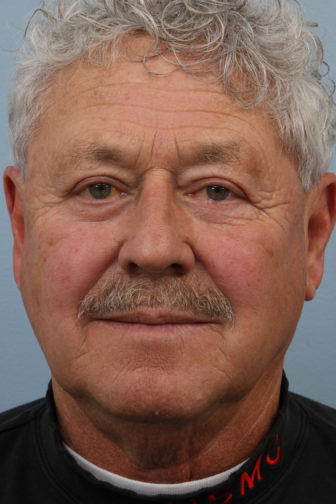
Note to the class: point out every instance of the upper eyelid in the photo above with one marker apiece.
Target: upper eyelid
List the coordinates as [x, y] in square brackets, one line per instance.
[206, 179]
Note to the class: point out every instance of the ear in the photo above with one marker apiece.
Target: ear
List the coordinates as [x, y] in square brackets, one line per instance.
[13, 185]
[321, 205]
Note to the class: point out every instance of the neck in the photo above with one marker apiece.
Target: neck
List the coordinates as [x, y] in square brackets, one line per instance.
[170, 452]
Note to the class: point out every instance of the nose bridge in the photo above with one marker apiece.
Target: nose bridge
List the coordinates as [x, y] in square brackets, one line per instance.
[156, 204]
[155, 226]
[156, 236]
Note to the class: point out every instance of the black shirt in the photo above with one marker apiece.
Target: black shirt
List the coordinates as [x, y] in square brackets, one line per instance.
[294, 464]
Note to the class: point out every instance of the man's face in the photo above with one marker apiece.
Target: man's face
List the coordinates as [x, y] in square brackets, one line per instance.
[167, 181]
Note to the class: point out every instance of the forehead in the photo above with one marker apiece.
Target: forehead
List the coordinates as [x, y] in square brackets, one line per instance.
[124, 109]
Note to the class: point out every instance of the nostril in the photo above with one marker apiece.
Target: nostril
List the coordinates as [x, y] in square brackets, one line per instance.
[178, 268]
[132, 268]
[175, 268]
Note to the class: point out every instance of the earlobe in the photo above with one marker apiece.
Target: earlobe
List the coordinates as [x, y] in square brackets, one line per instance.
[320, 223]
[13, 186]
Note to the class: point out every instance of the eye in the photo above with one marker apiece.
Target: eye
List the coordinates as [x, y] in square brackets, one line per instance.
[217, 193]
[100, 190]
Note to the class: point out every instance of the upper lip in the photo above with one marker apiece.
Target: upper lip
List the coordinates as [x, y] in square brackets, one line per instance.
[153, 318]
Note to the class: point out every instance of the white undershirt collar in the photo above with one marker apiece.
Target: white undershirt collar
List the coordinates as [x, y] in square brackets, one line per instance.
[151, 489]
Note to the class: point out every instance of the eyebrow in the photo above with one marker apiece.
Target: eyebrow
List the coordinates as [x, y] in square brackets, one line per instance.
[216, 152]
[210, 153]
[94, 152]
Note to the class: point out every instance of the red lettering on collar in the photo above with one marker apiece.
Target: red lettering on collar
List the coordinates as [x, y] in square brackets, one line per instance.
[274, 461]
[225, 494]
[250, 480]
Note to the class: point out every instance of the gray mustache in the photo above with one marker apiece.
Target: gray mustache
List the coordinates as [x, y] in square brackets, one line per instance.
[126, 295]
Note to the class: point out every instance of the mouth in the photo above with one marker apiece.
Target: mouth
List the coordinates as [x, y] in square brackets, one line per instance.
[152, 318]
[150, 329]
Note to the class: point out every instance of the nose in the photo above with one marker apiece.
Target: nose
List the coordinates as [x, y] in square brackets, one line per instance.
[158, 235]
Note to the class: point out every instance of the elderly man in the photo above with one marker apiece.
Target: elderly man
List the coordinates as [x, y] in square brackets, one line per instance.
[170, 211]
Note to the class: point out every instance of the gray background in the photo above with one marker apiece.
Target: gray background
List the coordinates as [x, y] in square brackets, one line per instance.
[311, 359]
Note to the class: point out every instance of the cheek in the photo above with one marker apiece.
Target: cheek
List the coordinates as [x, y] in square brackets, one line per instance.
[249, 263]
[236, 265]
[261, 273]
[61, 262]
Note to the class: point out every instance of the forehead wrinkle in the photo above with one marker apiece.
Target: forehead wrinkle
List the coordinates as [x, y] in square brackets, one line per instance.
[61, 87]
[153, 146]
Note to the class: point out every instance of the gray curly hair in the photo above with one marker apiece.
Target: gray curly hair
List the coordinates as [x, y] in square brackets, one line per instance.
[265, 41]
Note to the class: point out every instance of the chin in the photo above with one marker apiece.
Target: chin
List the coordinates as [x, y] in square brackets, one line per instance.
[152, 396]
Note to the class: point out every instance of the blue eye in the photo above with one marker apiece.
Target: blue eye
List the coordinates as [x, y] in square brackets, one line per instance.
[100, 190]
[217, 193]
